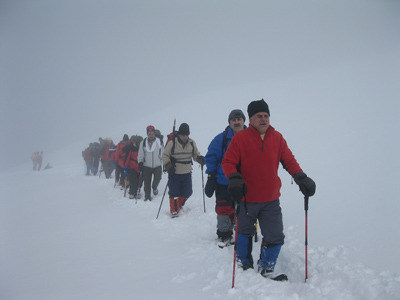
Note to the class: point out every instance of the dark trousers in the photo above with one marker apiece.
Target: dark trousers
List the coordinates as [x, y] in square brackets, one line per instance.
[269, 217]
[133, 178]
[108, 167]
[180, 185]
[148, 174]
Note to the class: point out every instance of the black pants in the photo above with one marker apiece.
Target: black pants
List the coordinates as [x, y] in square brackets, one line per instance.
[148, 173]
[133, 178]
[108, 167]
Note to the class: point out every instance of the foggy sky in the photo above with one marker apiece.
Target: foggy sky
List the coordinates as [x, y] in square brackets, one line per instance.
[73, 70]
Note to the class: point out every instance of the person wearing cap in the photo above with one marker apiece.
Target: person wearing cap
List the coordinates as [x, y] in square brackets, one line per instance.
[120, 155]
[177, 159]
[131, 165]
[251, 165]
[149, 158]
[216, 180]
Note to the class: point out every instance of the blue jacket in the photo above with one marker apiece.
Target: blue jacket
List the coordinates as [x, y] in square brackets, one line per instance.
[215, 154]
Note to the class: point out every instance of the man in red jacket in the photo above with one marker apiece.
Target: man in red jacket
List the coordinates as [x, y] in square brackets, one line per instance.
[251, 165]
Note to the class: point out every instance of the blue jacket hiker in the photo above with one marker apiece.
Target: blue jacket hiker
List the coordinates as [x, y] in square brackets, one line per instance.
[217, 181]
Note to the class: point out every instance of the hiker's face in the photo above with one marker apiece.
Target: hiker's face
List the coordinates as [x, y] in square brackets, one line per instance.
[151, 134]
[260, 121]
[236, 124]
[184, 138]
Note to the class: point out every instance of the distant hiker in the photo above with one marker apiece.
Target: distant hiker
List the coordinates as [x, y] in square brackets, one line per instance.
[160, 136]
[132, 166]
[40, 160]
[120, 155]
[177, 159]
[251, 165]
[95, 152]
[107, 151]
[150, 154]
[216, 178]
[87, 157]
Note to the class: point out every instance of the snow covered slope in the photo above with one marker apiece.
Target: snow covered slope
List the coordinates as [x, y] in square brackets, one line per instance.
[68, 236]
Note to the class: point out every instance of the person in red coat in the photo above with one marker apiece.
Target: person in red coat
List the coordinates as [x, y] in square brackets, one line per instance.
[131, 167]
[120, 155]
[251, 165]
[107, 156]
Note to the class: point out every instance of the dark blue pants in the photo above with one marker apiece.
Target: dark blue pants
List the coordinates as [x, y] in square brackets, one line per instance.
[180, 185]
[269, 216]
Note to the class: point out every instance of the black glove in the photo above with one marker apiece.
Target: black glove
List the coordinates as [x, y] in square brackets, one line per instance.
[305, 183]
[200, 159]
[170, 169]
[236, 186]
[140, 167]
[211, 185]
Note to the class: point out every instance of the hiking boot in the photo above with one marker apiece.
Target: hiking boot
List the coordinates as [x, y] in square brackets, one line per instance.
[148, 198]
[273, 276]
[155, 192]
[132, 196]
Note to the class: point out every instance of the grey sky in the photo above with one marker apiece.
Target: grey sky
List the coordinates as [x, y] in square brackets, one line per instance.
[72, 69]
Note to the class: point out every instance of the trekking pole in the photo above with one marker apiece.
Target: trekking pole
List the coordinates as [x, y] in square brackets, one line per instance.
[306, 236]
[162, 199]
[202, 181]
[236, 234]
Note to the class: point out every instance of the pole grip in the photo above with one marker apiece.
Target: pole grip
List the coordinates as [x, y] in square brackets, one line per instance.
[306, 203]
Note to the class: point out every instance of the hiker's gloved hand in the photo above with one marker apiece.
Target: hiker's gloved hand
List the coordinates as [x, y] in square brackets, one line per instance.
[211, 185]
[306, 184]
[201, 160]
[140, 167]
[170, 169]
[126, 170]
[236, 187]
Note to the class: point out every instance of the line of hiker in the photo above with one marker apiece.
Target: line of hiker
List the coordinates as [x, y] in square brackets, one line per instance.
[242, 171]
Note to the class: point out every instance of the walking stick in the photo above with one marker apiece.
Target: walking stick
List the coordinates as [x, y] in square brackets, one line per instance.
[306, 236]
[162, 199]
[236, 234]
[202, 181]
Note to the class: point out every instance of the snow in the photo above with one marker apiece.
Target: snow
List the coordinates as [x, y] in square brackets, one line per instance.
[65, 235]
[75, 71]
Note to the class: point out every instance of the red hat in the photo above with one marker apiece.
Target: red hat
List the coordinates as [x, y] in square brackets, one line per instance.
[150, 128]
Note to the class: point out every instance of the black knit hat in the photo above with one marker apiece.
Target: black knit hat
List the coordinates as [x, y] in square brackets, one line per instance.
[126, 137]
[236, 113]
[256, 107]
[184, 129]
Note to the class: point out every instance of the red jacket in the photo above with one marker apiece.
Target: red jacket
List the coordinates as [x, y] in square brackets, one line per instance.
[120, 153]
[131, 160]
[258, 161]
[86, 155]
[108, 151]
